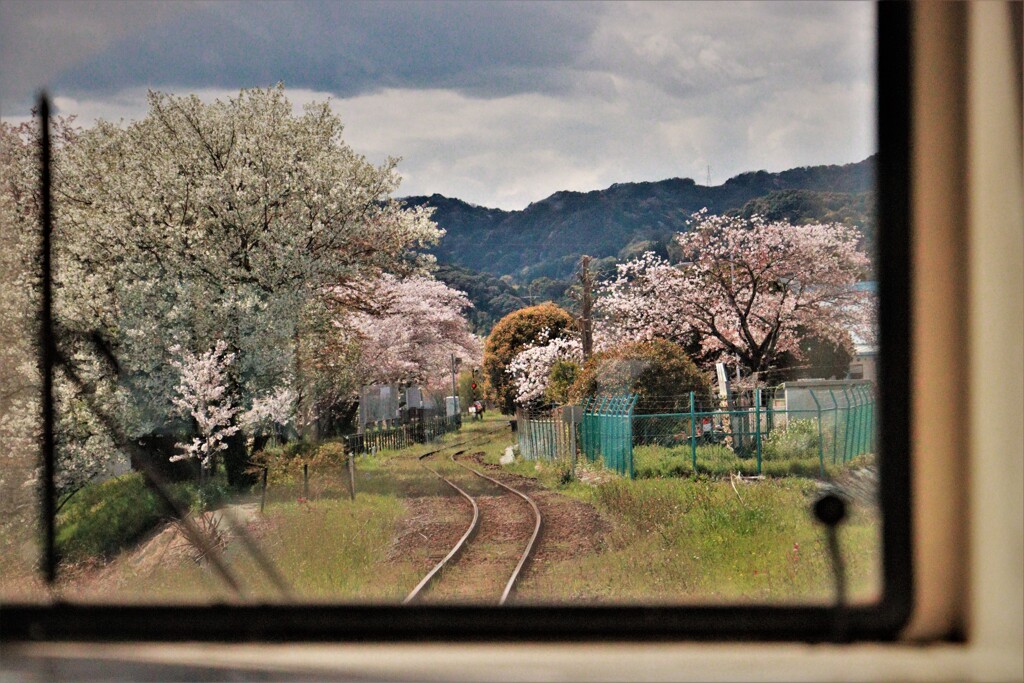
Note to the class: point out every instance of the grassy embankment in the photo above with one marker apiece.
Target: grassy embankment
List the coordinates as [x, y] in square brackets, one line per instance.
[694, 539]
[327, 546]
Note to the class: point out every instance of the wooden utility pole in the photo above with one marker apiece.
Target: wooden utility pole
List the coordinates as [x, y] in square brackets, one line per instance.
[586, 306]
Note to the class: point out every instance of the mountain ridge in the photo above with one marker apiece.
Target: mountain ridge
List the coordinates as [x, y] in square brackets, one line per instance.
[547, 237]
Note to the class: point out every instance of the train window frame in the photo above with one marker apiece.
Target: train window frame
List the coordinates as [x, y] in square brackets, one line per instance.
[395, 623]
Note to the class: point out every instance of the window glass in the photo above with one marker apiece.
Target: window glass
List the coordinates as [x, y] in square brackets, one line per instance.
[419, 303]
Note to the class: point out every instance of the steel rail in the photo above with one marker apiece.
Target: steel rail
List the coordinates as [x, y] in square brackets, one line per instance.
[533, 538]
[457, 548]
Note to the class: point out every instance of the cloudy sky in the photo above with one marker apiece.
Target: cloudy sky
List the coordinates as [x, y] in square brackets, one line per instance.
[499, 104]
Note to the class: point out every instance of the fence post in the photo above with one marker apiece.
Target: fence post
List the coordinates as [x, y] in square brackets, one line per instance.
[846, 425]
[693, 434]
[263, 494]
[866, 436]
[629, 445]
[352, 475]
[587, 435]
[873, 434]
[625, 434]
[835, 423]
[861, 414]
[305, 480]
[757, 426]
[821, 451]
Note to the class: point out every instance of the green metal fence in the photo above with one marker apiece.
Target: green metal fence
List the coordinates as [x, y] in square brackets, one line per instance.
[421, 431]
[606, 432]
[547, 433]
[831, 424]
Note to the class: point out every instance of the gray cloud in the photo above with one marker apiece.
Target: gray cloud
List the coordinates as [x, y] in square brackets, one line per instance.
[497, 103]
[347, 48]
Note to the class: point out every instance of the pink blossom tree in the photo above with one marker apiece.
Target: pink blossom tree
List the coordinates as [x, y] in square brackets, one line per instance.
[748, 288]
[408, 329]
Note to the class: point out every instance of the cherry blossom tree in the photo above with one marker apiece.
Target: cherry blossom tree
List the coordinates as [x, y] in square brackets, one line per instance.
[748, 288]
[202, 394]
[408, 329]
[271, 413]
[530, 369]
[84, 449]
[230, 220]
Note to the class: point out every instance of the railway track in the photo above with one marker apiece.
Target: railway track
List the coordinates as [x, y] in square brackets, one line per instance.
[474, 524]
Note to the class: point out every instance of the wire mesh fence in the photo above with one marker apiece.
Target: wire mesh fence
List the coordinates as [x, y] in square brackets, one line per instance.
[400, 436]
[805, 428]
[548, 433]
[797, 429]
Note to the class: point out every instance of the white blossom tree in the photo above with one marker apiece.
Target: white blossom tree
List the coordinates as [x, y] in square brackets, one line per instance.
[530, 369]
[84, 450]
[202, 394]
[229, 220]
[748, 288]
[272, 412]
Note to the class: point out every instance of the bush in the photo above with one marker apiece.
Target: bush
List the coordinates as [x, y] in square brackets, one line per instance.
[659, 371]
[285, 463]
[561, 377]
[798, 440]
[103, 518]
[512, 334]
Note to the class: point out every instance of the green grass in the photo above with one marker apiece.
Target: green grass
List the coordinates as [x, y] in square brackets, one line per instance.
[677, 461]
[332, 549]
[684, 540]
[683, 537]
[103, 518]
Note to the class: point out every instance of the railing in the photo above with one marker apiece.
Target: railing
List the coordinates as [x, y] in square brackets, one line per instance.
[421, 431]
[607, 432]
[548, 433]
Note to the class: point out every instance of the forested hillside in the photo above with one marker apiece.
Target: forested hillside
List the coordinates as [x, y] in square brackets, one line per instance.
[547, 238]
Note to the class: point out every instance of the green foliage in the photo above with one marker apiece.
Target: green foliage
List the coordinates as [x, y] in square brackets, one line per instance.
[285, 463]
[492, 298]
[801, 207]
[561, 377]
[659, 371]
[103, 518]
[467, 394]
[547, 238]
[800, 459]
[822, 359]
[798, 440]
[511, 335]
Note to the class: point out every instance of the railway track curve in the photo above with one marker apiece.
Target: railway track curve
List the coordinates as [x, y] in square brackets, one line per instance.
[474, 525]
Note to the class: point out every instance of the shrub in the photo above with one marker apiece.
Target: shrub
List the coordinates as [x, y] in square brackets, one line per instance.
[285, 463]
[560, 379]
[798, 440]
[512, 334]
[659, 371]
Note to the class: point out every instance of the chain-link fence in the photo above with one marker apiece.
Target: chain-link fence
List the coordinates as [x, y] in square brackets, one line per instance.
[806, 428]
[797, 428]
